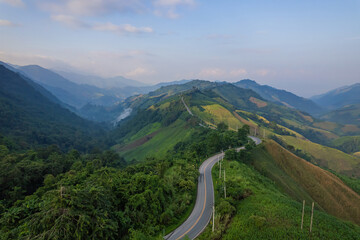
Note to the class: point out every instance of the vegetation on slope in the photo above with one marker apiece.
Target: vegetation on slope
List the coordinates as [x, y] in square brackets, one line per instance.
[327, 157]
[33, 120]
[325, 188]
[348, 144]
[281, 96]
[340, 97]
[255, 208]
[93, 198]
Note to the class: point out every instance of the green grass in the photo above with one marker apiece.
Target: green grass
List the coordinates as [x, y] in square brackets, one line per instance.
[270, 214]
[215, 114]
[326, 157]
[326, 189]
[263, 162]
[348, 144]
[148, 129]
[353, 183]
[163, 141]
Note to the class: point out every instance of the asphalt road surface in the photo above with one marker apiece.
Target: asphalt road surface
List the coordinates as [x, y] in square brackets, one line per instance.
[202, 212]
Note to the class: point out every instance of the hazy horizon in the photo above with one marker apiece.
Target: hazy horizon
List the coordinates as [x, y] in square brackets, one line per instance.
[306, 47]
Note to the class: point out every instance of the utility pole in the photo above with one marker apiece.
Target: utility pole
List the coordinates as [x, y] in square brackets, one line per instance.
[220, 170]
[312, 214]
[224, 185]
[302, 216]
[213, 227]
[264, 134]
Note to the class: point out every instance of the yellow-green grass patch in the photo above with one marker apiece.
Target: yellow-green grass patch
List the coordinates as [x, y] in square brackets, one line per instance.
[326, 157]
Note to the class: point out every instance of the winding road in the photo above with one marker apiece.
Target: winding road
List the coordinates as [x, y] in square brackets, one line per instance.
[202, 212]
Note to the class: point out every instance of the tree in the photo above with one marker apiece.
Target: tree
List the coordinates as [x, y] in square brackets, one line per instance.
[243, 132]
[222, 127]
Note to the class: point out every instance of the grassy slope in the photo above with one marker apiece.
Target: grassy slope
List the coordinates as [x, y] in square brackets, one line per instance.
[281, 215]
[325, 188]
[163, 141]
[327, 157]
[215, 114]
[349, 114]
[264, 163]
[349, 144]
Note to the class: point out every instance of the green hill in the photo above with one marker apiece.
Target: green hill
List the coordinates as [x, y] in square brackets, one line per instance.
[339, 97]
[33, 120]
[348, 114]
[265, 202]
[328, 191]
[281, 97]
[327, 157]
[76, 95]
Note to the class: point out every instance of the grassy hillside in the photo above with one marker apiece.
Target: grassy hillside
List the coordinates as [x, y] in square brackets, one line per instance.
[325, 188]
[281, 96]
[156, 145]
[348, 144]
[349, 114]
[327, 157]
[264, 212]
[214, 114]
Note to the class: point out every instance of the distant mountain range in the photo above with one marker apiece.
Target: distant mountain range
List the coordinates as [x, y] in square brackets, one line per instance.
[98, 98]
[339, 97]
[33, 116]
[107, 83]
[71, 93]
[281, 97]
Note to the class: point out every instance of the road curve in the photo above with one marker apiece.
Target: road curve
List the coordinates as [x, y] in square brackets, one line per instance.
[202, 212]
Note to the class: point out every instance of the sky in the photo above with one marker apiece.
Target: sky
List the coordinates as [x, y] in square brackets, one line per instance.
[307, 47]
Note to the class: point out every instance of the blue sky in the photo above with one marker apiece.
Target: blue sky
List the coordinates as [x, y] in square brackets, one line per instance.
[307, 46]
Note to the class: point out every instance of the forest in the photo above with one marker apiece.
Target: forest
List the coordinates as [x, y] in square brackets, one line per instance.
[51, 194]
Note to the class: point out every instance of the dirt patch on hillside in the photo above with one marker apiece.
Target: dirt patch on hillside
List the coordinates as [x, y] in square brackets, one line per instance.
[326, 125]
[350, 128]
[306, 117]
[138, 142]
[259, 103]
[243, 120]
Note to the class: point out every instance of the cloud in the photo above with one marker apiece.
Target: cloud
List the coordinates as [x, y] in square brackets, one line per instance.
[211, 73]
[7, 23]
[173, 3]
[106, 27]
[124, 28]
[168, 8]
[140, 71]
[91, 7]
[163, 8]
[69, 20]
[238, 72]
[262, 72]
[20, 58]
[221, 74]
[102, 63]
[14, 3]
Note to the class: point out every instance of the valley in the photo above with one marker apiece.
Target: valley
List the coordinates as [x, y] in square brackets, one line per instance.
[136, 175]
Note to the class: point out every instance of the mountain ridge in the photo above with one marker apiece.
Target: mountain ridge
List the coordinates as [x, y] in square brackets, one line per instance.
[282, 97]
[339, 97]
